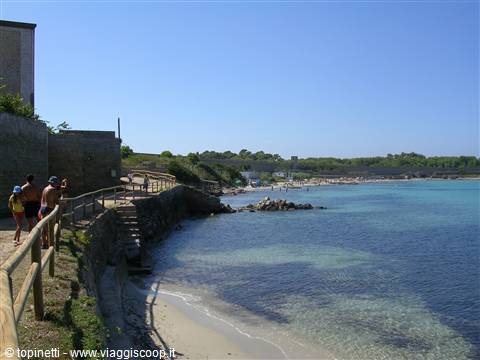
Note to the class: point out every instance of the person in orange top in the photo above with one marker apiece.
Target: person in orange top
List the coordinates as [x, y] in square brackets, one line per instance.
[15, 204]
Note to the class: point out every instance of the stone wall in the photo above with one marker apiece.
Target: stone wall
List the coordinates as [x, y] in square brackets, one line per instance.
[17, 44]
[102, 250]
[23, 150]
[104, 273]
[158, 214]
[90, 160]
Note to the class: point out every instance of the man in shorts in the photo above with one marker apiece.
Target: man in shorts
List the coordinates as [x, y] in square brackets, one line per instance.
[31, 195]
[50, 198]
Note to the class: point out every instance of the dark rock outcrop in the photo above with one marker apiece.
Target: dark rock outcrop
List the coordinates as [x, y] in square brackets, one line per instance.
[276, 205]
[158, 215]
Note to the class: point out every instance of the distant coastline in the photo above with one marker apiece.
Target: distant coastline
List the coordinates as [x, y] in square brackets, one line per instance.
[295, 185]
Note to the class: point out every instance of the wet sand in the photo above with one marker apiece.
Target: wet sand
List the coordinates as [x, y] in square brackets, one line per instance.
[194, 334]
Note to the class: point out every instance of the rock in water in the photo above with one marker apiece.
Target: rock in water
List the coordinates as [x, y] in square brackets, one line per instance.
[276, 205]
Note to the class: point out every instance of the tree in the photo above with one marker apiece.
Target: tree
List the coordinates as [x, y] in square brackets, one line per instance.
[13, 104]
[193, 158]
[56, 129]
[126, 151]
[182, 174]
[244, 154]
[166, 154]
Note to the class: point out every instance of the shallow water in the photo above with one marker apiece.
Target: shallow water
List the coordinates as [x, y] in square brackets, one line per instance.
[388, 271]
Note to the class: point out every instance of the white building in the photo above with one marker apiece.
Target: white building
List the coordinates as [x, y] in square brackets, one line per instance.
[250, 175]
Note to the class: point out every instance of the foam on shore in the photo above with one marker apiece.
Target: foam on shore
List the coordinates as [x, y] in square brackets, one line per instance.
[198, 333]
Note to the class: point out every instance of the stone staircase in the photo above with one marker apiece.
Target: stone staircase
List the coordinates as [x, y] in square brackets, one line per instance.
[129, 238]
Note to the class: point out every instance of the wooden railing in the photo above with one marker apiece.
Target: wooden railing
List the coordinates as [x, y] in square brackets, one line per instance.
[156, 180]
[208, 186]
[11, 309]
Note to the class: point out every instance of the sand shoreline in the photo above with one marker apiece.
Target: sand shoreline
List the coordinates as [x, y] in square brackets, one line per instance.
[172, 322]
[295, 185]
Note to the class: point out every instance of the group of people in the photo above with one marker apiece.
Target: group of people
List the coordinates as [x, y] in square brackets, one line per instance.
[29, 202]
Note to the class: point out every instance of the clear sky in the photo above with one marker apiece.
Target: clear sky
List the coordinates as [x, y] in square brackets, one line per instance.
[353, 78]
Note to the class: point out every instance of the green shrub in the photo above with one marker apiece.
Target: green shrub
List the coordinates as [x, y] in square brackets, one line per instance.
[210, 173]
[166, 153]
[182, 173]
[126, 151]
[13, 104]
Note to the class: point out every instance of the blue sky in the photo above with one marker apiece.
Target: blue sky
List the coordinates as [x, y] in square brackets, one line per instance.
[297, 78]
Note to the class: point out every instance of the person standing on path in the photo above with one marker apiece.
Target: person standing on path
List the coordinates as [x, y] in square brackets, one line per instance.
[146, 183]
[31, 195]
[50, 198]
[15, 204]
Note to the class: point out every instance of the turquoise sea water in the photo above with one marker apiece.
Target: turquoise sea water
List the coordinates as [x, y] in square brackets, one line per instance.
[388, 271]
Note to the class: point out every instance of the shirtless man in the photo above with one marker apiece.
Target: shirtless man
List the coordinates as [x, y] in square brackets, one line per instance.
[32, 195]
[50, 198]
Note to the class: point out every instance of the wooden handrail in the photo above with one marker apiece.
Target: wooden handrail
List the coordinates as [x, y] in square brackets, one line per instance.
[154, 173]
[22, 296]
[12, 262]
[11, 309]
[8, 326]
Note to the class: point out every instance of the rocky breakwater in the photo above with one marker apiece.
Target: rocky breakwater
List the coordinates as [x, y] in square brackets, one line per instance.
[276, 205]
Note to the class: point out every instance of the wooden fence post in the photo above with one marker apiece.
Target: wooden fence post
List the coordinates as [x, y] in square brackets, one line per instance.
[72, 207]
[58, 235]
[103, 199]
[51, 242]
[7, 319]
[93, 203]
[115, 196]
[37, 283]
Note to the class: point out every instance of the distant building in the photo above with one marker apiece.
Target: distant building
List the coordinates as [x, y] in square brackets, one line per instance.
[280, 174]
[17, 58]
[250, 175]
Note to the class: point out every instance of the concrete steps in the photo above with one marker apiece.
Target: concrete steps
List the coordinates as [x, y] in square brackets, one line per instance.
[130, 238]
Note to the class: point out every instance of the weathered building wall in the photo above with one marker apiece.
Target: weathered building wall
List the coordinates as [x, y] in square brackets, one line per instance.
[17, 44]
[23, 150]
[90, 160]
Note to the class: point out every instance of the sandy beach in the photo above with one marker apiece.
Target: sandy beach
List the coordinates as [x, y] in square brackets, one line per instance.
[194, 334]
[295, 185]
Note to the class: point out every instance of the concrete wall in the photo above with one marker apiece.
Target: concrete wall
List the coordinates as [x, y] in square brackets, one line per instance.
[90, 160]
[17, 55]
[23, 150]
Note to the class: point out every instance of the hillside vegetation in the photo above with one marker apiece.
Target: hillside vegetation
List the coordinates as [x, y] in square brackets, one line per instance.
[187, 169]
[224, 166]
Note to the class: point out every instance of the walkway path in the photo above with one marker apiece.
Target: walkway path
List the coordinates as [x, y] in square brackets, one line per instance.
[7, 231]
[7, 225]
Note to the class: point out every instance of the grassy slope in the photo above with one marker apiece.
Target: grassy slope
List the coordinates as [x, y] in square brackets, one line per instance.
[137, 159]
[70, 320]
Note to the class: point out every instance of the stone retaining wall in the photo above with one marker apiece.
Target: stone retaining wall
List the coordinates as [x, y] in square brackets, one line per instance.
[23, 150]
[90, 160]
[158, 214]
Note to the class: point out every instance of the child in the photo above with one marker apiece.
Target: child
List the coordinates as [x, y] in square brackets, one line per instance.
[15, 204]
